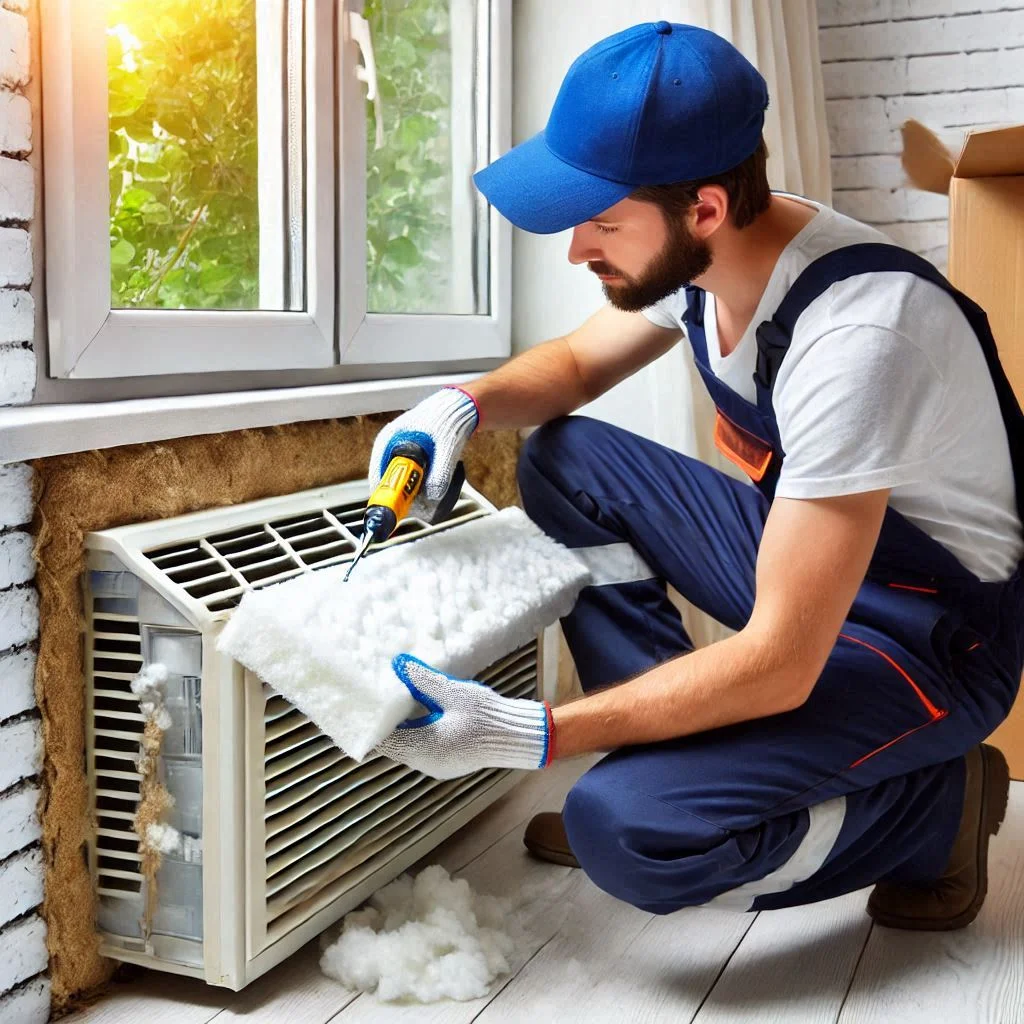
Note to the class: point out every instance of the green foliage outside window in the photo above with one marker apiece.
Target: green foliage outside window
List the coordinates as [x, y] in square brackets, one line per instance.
[184, 213]
[184, 216]
[408, 186]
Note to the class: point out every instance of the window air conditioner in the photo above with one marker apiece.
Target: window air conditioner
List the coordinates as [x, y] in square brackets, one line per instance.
[281, 832]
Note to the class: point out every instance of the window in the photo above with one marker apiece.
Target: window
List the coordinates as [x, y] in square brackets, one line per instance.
[272, 184]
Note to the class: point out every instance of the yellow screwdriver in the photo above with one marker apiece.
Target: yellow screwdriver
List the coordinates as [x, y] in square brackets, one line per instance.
[393, 497]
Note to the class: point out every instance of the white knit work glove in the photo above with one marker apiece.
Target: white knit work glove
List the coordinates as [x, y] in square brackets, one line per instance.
[441, 424]
[468, 726]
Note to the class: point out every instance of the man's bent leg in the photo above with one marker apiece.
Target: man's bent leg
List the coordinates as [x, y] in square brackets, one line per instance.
[640, 514]
[661, 857]
[862, 783]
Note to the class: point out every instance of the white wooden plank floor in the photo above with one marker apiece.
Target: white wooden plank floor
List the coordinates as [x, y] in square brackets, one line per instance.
[589, 958]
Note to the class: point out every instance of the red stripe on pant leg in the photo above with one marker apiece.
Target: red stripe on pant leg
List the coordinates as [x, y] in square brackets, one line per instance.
[903, 736]
[932, 710]
[936, 714]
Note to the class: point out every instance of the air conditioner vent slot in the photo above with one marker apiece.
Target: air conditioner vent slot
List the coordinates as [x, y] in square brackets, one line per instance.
[116, 726]
[327, 817]
[218, 569]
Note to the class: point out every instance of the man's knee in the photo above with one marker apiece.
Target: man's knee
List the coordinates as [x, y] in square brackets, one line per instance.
[553, 473]
[633, 846]
[543, 458]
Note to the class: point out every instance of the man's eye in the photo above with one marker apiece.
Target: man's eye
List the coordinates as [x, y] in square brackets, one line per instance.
[604, 229]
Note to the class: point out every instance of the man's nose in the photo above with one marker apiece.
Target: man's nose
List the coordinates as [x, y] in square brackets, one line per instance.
[582, 248]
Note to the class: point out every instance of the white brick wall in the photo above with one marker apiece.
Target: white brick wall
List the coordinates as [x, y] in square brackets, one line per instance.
[24, 989]
[952, 64]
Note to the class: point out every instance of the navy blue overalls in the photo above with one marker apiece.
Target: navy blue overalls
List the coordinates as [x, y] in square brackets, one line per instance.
[864, 781]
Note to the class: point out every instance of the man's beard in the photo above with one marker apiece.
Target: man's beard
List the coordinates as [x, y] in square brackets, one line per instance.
[682, 258]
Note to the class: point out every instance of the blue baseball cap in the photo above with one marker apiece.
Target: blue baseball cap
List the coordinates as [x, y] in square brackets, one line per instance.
[655, 104]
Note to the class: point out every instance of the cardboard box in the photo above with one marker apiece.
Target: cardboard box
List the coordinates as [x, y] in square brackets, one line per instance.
[985, 182]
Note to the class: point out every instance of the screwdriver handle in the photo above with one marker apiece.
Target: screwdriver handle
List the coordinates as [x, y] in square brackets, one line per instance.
[400, 484]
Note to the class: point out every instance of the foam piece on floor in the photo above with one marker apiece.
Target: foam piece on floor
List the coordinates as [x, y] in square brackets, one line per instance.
[458, 599]
[423, 939]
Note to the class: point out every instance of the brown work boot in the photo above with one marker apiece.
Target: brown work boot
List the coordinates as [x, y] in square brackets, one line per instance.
[545, 838]
[955, 899]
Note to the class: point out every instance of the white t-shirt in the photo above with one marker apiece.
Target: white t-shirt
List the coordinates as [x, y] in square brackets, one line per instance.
[884, 386]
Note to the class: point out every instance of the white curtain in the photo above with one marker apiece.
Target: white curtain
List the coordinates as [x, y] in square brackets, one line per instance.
[780, 38]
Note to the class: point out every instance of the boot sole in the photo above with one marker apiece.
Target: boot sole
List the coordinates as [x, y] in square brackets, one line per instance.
[995, 783]
[552, 855]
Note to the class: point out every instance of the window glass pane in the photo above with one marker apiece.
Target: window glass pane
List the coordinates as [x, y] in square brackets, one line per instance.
[427, 232]
[205, 175]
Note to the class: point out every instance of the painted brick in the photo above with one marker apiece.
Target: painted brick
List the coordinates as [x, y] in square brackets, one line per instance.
[870, 125]
[16, 564]
[986, 31]
[15, 123]
[17, 686]
[930, 8]
[19, 818]
[867, 172]
[884, 206]
[17, 374]
[22, 745]
[981, 70]
[919, 234]
[19, 625]
[14, 51]
[853, 78]
[15, 257]
[950, 72]
[15, 495]
[859, 127]
[852, 12]
[17, 190]
[29, 1004]
[958, 109]
[21, 884]
[17, 316]
[860, 12]
[22, 952]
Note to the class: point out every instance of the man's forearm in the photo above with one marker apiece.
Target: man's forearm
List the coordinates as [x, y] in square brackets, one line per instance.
[735, 680]
[539, 385]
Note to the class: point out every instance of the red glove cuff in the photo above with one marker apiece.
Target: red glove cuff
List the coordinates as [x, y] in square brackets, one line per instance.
[551, 735]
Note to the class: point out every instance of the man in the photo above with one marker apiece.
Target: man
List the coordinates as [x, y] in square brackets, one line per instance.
[872, 575]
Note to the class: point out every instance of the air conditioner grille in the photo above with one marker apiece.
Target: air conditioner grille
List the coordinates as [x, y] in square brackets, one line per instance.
[117, 725]
[329, 821]
[216, 570]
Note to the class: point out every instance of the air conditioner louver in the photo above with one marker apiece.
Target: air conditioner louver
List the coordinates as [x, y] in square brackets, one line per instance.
[218, 569]
[116, 725]
[326, 816]
[281, 831]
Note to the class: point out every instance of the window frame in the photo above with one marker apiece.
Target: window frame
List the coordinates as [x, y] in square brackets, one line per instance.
[87, 340]
[383, 338]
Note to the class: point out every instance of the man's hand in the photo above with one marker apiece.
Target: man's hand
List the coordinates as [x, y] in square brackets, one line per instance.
[441, 424]
[467, 726]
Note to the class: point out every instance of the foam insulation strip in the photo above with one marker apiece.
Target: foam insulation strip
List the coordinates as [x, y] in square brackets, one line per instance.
[459, 600]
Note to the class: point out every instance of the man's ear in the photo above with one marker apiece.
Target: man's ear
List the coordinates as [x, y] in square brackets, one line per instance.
[709, 211]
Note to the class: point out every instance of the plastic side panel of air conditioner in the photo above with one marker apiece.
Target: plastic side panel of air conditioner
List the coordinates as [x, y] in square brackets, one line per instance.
[223, 817]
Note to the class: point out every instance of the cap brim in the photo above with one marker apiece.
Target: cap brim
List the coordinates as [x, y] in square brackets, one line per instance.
[537, 192]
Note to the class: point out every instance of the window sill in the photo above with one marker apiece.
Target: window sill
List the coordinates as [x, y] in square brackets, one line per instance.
[36, 431]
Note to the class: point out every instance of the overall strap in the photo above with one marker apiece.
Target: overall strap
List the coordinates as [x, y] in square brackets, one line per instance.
[774, 336]
[694, 320]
